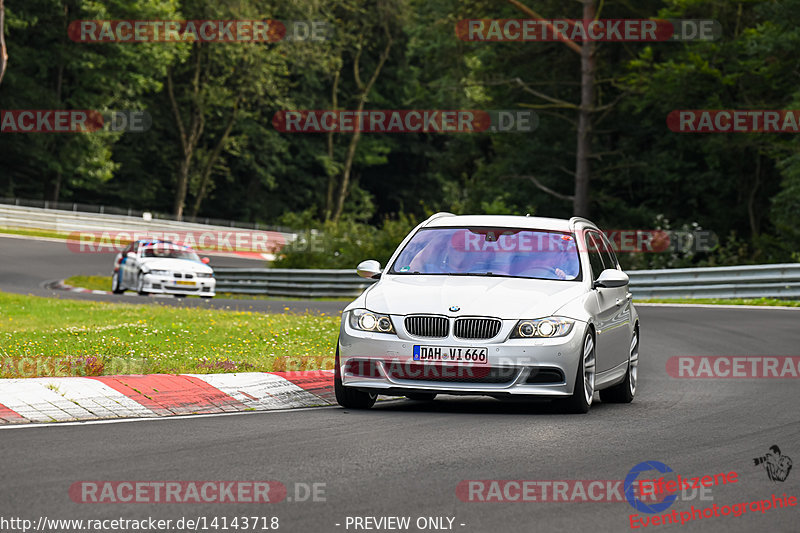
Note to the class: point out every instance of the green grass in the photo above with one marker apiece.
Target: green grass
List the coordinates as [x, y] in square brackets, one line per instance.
[55, 337]
[35, 233]
[95, 283]
[767, 302]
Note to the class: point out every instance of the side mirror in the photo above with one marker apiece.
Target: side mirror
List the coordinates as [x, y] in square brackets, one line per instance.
[369, 269]
[611, 278]
[205, 260]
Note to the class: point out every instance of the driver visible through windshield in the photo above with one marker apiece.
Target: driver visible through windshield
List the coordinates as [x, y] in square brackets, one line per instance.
[511, 252]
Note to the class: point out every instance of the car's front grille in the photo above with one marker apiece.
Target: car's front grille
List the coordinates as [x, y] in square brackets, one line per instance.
[450, 373]
[477, 328]
[427, 326]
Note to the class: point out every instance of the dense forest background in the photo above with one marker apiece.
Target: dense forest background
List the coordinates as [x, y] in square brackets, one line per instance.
[212, 149]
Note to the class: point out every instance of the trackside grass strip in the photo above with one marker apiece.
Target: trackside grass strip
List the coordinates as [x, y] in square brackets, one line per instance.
[54, 337]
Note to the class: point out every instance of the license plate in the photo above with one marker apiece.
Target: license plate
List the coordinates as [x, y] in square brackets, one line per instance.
[452, 354]
[189, 283]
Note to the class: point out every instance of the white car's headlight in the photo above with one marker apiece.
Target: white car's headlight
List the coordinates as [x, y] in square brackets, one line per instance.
[158, 272]
[542, 327]
[369, 321]
[204, 275]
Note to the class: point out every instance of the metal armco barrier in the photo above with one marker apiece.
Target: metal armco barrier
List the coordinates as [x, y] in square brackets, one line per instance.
[753, 281]
[309, 283]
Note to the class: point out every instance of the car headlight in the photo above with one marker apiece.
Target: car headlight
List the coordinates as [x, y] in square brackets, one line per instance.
[204, 275]
[542, 327]
[158, 272]
[369, 321]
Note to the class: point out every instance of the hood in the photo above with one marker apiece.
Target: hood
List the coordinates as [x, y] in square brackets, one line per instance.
[508, 298]
[174, 265]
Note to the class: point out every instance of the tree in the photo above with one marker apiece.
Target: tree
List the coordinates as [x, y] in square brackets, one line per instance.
[3, 51]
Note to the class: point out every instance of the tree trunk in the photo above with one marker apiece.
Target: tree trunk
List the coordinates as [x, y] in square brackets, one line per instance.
[332, 176]
[205, 177]
[351, 149]
[580, 206]
[3, 51]
[188, 141]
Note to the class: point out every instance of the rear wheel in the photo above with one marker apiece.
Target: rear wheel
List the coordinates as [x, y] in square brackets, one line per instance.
[115, 288]
[581, 399]
[421, 396]
[625, 391]
[140, 284]
[349, 397]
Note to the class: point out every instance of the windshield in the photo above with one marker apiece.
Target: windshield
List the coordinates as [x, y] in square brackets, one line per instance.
[170, 252]
[486, 251]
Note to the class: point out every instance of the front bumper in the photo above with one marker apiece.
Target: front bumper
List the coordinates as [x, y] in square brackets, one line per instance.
[168, 284]
[383, 363]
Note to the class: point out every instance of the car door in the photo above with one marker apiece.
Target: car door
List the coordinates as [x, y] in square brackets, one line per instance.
[130, 265]
[623, 298]
[608, 330]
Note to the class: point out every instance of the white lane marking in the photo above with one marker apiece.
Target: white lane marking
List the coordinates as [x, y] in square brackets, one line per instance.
[49, 399]
[717, 306]
[259, 390]
[155, 418]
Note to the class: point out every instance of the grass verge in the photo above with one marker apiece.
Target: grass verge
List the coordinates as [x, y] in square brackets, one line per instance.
[34, 233]
[765, 302]
[54, 337]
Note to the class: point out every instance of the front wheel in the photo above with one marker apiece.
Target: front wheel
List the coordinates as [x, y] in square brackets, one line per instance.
[115, 288]
[581, 399]
[625, 391]
[140, 285]
[349, 397]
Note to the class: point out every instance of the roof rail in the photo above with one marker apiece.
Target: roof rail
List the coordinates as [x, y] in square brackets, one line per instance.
[439, 215]
[574, 220]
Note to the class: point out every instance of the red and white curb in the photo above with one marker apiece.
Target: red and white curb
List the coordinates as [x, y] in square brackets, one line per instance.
[61, 286]
[63, 399]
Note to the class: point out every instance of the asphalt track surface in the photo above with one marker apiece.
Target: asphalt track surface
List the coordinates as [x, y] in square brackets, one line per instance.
[27, 266]
[405, 458]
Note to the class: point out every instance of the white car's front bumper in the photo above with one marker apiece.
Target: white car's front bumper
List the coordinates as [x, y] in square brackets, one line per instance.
[168, 284]
[384, 363]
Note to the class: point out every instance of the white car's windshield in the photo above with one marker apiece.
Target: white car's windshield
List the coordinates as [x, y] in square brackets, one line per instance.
[491, 252]
[170, 252]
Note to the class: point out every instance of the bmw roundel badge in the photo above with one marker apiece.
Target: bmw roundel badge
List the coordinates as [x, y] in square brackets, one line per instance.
[455, 308]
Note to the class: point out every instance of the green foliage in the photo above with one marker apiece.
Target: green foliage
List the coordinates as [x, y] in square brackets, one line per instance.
[342, 245]
[743, 187]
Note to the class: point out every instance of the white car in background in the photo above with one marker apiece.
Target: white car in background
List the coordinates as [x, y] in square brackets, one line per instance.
[502, 306]
[162, 267]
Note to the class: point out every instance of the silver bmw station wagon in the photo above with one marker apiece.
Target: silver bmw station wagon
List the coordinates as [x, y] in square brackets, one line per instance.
[502, 306]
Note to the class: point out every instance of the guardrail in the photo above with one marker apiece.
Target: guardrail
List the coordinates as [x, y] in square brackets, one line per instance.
[753, 281]
[307, 283]
[750, 281]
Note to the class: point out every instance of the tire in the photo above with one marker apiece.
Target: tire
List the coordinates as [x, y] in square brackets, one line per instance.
[581, 399]
[140, 285]
[349, 397]
[625, 391]
[206, 297]
[115, 288]
[421, 396]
